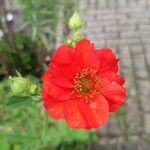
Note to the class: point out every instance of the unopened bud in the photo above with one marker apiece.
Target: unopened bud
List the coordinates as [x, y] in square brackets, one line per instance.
[33, 89]
[75, 22]
[19, 85]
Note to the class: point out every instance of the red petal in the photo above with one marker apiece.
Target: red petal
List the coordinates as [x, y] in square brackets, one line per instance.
[62, 75]
[108, 60]
[114, 93]
[64, 70]
[46, 99]
[111, 76]
[63, 82]
[59, 79]
[63, 54]
[114, 107]
[73, 116]
[56, 110]
[96, 113]
[85, 55]
[50, 89]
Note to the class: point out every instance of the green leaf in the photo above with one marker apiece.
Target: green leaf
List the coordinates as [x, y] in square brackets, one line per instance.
[69, 135]
[17, 101]
[3, 142]
[79, 135]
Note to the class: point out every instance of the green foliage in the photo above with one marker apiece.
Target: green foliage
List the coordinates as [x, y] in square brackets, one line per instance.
[26, 125]
[16, 101]
[43, 18]
[32, 34]
[21, 56]
[24, 86]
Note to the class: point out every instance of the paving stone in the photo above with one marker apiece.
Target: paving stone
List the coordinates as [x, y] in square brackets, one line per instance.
[132, 113]
[144, 27]
[119, 144]
[112, 4]
[136, 49]
[123, 42]
[126, 28]
[122, 3]
[140, 68]
[93, 30]
[130, 34]
[141, 3]
[145, 40]
[147, 54]
[124, 55]
[132, 101]
[101, 4]
[147, 123]
[107, 130]
[130, 9]
[144, 94]
[124, 25]
[111, 29]
[127, 21]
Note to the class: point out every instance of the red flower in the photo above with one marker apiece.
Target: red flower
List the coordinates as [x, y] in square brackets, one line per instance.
[82, 86]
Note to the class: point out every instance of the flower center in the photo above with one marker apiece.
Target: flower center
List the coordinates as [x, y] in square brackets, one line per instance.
[87, 84]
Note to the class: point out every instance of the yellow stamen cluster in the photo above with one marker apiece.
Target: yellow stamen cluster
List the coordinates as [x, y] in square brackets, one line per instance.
[87, 84]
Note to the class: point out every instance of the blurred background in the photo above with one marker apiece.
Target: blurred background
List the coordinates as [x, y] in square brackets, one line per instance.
[29, 32]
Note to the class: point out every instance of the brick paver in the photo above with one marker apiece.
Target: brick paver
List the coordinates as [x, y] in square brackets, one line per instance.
[124, 26]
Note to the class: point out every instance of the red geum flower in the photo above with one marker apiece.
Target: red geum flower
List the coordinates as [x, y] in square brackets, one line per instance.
[82, 86]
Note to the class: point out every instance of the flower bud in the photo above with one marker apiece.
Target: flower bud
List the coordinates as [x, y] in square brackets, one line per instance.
[33, 89]
[19, 85]
[75, 22]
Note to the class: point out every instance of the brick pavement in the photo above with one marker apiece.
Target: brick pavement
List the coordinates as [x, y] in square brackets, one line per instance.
[124, 26]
